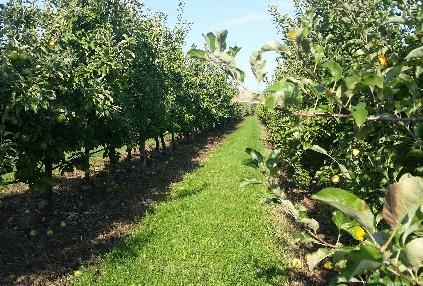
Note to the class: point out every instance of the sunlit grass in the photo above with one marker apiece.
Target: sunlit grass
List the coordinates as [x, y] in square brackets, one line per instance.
[211, 232]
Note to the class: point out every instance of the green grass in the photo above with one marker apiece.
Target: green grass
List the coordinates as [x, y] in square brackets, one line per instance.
[211, 232]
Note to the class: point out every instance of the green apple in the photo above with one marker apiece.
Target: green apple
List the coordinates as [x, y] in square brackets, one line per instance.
[60, 118]
[23, 56]
[77, 273]
[297, 263]
[355, 152]
[50, 232]
[418, 130]
[63, 224]
[13, 55]
[26, 71]
[335, 179]
[25, 138]
[52, 43]
[33, 232]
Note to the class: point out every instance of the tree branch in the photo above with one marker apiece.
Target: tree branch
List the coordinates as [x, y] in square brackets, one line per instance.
[370, 118]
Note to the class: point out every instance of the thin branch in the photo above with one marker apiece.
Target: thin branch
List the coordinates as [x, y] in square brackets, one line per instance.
[398, 272]
[320, 241]
[370, 118]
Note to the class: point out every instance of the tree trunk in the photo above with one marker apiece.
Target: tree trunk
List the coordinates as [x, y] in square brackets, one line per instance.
[186, 137]
[143, 154]
[128, 153]
[48, 188]
[173, 142]
[192, 137]
[157, 145]
[87, 177]
[113, 158]
[162, 141]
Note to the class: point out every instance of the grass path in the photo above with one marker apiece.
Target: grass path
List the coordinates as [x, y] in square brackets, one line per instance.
[211, 233]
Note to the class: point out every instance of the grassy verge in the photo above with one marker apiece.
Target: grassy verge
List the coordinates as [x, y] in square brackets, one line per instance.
[211, 232]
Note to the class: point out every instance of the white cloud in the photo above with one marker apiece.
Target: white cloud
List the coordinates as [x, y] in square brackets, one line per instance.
[245, 19]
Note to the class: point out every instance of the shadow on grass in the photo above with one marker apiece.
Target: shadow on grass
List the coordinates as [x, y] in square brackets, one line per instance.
[275, 275]
[87, 224]
[187, 192]
[271, 274]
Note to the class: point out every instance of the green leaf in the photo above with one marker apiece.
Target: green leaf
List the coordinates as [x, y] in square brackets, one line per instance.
[248, 182]
[341, 220]
[250, 163]
[211, 41]
[318, 52]
[416, 53]
[319, 149]
[359, 113]
[276, 86]
[351, 80]
[335, 69]
[341, 253]
[233, 51]
[315, 258]
[309, 223]
[419, 71]
[392, 73]
[373, 80]
[396, 20]
[415, 153]
[270, 102]
[291, 209]
[255, 155]
[366, 258]
[258, 65]
[344, 171]
[273, 46]
[221, 40]
[349, 204]
[418, 130]
[304, 238]
[286, 93]
[226, 58]
[273, 158]
[197, 54]
[414, 253]
[403, 198]
[411, 84]
[360, 52]
[239, 74]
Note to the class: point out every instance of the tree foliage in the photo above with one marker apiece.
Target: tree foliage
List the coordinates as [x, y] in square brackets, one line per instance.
[76, 75]
[349, 79]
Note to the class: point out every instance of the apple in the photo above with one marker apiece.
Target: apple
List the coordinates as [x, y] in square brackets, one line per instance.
[60, 118]
[77, 273]
[13, 55]
[50, 232]
[335, 179]
[52, 43]
[297, 263]
[33, 232]
[25, 138]
[23, 56]
[355, 152]
[26, 71]
[63, 224]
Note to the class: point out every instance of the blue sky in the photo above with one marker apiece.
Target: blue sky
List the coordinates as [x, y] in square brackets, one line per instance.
[248, 22]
